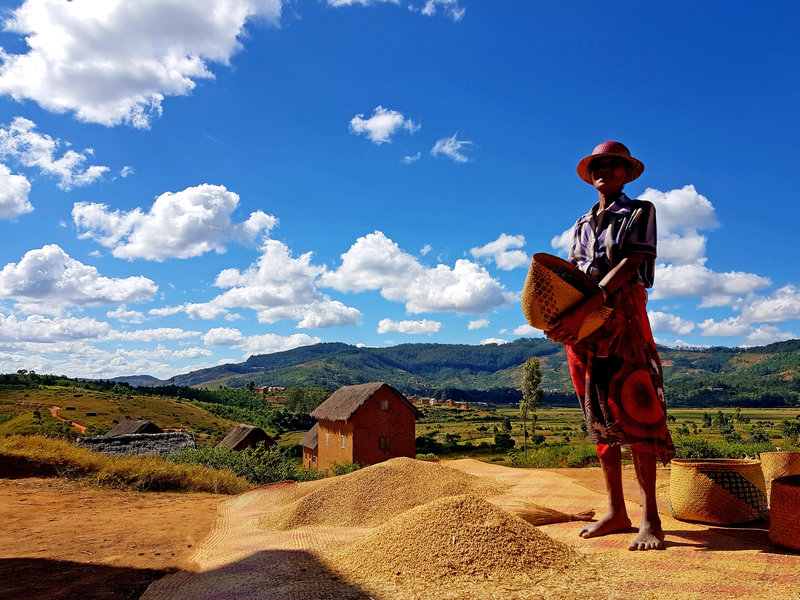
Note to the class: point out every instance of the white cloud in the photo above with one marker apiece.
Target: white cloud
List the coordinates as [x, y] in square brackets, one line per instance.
[338, 3]
[727, 327]
[498, 251]
[382, 125]
[178, 225]
[223, 336]
[782, 305]
[497, 341]
[121, 313]
[14, 190]
[125, 171]
[48, 279]
[411, 158]
[31, 149]
[450, 8]
[270, 342]
[40, 329]
[410, 327]
[767, 334]
[374, 262]
[696, 280]
[425, 249]
[159, 334]
[478, 324]
[527, 330]
[114, 61]
[451, 148]
[665, 322]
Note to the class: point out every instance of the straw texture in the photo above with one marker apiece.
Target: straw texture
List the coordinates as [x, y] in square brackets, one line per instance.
[722, 492]
[553, 285]
[778, 464]
[784, 520]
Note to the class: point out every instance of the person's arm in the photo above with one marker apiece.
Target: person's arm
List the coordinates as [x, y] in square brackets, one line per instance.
[569, 323]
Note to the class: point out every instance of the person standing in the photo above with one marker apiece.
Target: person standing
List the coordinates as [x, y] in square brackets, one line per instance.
[616, 371]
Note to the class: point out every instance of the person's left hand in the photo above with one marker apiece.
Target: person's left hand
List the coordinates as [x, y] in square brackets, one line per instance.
[566, 328]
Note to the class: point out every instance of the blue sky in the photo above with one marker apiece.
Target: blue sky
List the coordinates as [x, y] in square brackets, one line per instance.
[187, 183]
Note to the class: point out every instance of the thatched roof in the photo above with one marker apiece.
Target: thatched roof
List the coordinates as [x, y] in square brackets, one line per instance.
[245, 435]
[131, 426]
[140, 443]
[345, 401]
[310, 439]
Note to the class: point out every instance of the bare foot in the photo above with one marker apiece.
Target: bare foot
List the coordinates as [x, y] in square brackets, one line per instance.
[610, 523]
[651, 537]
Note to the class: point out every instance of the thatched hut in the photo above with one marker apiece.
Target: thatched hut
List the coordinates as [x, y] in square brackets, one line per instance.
[246, 436]
[310, 443]
[130, 426]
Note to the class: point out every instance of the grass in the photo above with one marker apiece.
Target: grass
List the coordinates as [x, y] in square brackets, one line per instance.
[139, 473]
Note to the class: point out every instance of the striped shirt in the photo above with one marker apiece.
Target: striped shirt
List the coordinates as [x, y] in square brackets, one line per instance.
[600, 242]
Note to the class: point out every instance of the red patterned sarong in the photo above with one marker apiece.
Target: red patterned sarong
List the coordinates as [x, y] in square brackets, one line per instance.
[617, 375]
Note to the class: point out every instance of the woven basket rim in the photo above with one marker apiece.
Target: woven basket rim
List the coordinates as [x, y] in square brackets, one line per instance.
[715, 462]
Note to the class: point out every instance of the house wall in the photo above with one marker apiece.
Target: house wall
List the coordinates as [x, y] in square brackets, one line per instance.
[332, 452]
[310, 458]
[370, 423]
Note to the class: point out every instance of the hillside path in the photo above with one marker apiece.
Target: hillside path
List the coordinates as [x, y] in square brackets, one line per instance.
[54, 413]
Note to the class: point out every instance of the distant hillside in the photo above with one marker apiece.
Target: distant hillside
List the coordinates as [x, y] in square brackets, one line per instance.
[760, 376]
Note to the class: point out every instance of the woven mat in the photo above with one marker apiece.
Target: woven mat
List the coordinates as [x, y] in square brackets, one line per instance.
[239, 560]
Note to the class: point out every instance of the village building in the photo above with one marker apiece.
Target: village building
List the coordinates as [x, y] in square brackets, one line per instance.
[246, 436]
[364, 424]
[139, 436]
[310, 443]
[130, 426]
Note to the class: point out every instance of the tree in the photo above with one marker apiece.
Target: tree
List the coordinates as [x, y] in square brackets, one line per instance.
[531, 395]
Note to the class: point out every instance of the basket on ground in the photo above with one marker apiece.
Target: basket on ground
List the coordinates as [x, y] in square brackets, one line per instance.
[778, 464]
[784, 516]
[554, 285]
[718, 491]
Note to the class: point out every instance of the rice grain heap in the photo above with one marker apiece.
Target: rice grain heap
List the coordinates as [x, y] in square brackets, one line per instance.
[458, 537]
[373, 495]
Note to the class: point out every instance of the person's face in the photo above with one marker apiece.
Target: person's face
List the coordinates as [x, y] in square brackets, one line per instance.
[608, 174]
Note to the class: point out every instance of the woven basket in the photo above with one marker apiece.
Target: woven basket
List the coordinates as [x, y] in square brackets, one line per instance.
[779, 464]
[718, 491]
[784, 518]
[553, 285]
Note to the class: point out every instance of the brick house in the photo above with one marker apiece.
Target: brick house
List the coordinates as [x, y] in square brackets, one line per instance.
[365, 424]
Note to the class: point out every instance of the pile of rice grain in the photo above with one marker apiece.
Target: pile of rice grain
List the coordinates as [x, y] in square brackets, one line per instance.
[459, 537]
[373, 495]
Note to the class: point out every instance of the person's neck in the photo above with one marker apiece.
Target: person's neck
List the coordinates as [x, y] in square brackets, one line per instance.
[607, 198]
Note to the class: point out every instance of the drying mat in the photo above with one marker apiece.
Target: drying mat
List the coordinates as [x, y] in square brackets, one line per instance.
[238, 560]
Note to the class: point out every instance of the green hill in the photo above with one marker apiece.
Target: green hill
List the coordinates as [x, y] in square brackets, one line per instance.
[759, 376]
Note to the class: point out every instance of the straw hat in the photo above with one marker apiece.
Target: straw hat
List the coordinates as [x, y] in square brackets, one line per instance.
[553, 285]
[615, 149]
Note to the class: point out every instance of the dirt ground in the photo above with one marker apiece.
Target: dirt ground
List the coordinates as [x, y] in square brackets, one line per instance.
[63, 540]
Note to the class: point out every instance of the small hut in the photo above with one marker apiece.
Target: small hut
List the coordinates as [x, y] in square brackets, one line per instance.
[130, 426]
[246, 436]
[310, 444]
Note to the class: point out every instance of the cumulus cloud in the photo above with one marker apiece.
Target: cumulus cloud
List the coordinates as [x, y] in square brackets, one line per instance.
[737, 326]
[451, 148]
[780, 306]
[497, 341]
[48, 279]
[223, 336]
[40, 329]
[113, 61]
[665, 322]
[527, 330]
[278, 286]
[14, 190]
[768, 334]
[499, 252]
[374, 262]
[478, 324]
[179, 225]
[269, 343]
[675, 281]
[410, 327]
[31, 149]
[121, 313]
[382, 125]
[158, 334]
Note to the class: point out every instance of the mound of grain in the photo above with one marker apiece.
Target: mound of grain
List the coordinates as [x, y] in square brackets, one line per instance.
[373, 495]
[455, 538]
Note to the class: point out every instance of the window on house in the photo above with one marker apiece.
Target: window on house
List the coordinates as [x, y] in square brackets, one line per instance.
[313, 459]
[384, 404]
[344, 438]
[327, 439]
[383, 442]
